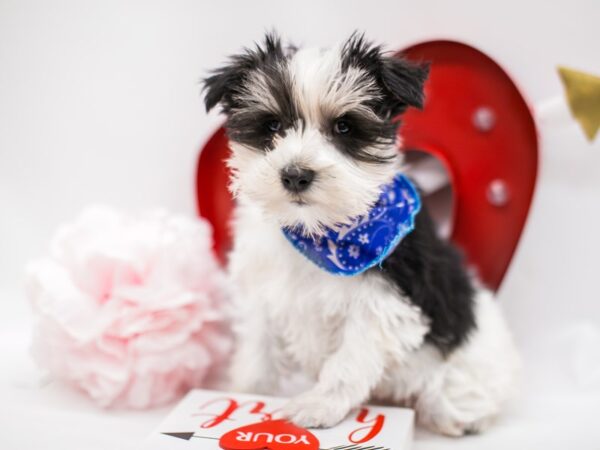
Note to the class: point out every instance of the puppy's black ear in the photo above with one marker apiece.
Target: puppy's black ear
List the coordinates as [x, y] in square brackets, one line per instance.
[225, 82]
[403, 83]
[400, 80]
[220, 85]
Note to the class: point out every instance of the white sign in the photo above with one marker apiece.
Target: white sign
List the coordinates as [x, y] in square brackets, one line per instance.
[202, 417]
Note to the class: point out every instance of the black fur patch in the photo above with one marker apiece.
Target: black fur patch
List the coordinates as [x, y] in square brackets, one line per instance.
[228, 82]
[400, 81]
[430, 272]
[251, 127]
[248, 123]
[367, 135]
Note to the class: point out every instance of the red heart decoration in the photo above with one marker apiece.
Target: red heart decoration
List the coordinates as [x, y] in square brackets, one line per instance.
[492, 160]
[270, 434]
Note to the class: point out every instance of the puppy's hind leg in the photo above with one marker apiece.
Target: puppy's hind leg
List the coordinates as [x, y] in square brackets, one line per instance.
[455, 405]
[466, 393]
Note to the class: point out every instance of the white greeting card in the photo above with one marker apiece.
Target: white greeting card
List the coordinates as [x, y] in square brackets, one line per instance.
[203, 417]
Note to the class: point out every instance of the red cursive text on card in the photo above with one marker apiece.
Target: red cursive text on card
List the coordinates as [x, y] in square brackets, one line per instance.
[370, 430]
[225, 409]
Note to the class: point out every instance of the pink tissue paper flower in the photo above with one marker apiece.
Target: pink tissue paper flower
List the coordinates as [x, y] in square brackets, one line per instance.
[131, 309]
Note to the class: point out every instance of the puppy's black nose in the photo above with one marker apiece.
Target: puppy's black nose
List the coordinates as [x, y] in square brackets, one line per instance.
[296, 179]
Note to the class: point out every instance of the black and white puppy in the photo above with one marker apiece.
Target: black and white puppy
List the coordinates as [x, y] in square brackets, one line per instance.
[313, 137]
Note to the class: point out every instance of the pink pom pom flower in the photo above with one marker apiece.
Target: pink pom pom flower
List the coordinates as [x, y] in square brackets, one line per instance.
[130, 309]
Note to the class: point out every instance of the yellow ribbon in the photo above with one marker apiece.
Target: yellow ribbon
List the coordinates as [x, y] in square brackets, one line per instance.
[583, 95]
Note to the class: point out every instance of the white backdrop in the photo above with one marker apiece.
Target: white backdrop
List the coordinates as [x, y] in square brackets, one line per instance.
[99, 102]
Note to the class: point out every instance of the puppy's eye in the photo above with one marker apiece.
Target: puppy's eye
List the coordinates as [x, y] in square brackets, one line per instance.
[342, 127]
[273, 125]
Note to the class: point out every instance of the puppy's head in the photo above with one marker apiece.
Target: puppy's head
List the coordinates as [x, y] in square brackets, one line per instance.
[313, 132]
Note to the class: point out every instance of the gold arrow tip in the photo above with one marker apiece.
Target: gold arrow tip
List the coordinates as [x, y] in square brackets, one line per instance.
[583, 96]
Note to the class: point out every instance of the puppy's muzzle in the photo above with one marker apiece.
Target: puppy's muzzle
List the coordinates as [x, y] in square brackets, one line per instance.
[296, 179]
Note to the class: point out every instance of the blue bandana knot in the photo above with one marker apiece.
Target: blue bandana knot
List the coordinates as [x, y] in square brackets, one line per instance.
[353, 248]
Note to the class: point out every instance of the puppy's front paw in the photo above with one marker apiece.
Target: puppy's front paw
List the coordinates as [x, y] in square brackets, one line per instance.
[310, 410]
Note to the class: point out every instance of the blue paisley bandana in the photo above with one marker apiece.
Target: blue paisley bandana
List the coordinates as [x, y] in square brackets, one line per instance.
[353, 248]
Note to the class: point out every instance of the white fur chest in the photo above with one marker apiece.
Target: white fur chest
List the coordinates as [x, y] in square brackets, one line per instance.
[303, 307]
